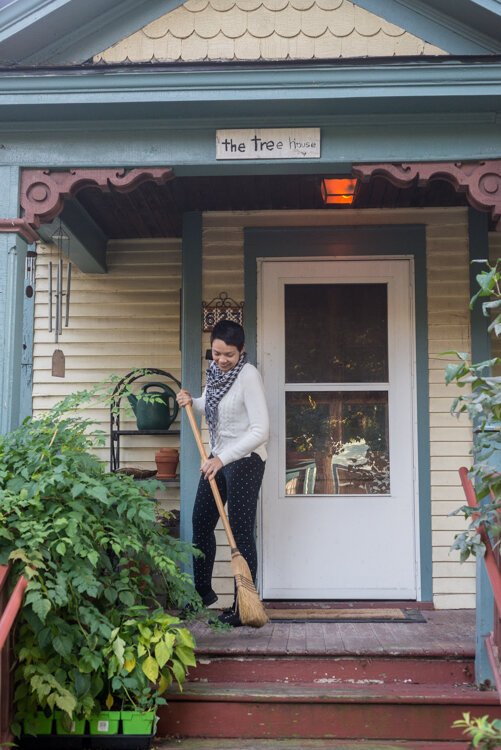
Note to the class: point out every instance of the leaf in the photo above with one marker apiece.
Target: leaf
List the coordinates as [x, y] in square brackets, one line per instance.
[66, 703]
[109, 701]
[186, 656]
[42, 608]
[63, 645]
[130, 663]
[150, 668]
[162, 653]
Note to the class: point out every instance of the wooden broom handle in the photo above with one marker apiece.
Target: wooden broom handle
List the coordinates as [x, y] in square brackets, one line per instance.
[213, 484]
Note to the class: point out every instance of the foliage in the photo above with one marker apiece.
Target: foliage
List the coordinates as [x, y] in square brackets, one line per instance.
[484, 734]
[88, 542]
[144, 657]
[481, 401]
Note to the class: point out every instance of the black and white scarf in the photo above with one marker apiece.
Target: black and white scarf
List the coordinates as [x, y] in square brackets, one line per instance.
[217, 385]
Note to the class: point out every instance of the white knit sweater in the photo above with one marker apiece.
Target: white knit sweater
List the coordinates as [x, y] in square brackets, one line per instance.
[243, 423]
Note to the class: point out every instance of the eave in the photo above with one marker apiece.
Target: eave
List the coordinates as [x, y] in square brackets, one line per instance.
[261, 92]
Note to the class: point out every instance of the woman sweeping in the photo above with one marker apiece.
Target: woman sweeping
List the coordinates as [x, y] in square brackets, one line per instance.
[237, 416]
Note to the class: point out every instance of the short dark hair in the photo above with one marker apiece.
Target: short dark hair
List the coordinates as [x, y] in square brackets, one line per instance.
[230, 332]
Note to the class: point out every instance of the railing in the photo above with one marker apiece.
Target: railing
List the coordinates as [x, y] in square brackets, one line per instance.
[492, 566]
[9, 609]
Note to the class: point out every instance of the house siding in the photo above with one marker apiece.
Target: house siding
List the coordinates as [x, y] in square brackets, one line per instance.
[130, 318]
[207, 30]
[119, 321]
[448, 328]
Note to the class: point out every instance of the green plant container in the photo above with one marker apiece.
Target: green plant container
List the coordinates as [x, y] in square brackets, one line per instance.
[105, 723]
[137, 722]
[66, 726]
[38, 724]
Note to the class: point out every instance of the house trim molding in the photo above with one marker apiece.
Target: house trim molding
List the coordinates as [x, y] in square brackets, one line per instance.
[479, 181]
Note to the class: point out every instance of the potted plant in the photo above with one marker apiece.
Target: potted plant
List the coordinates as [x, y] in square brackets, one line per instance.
[146, 654]
[87, 541]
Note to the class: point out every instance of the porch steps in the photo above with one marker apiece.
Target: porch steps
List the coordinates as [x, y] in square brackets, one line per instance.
[221, 744]
[384, 712]
[342, 700]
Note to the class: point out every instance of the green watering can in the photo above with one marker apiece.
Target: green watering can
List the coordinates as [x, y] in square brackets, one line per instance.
[157, 415]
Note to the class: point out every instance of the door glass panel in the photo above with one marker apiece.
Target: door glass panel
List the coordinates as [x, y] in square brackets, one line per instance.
[337, 443]
[336, 333]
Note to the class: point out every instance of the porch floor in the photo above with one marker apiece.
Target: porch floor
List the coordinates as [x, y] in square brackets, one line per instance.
[445, 632]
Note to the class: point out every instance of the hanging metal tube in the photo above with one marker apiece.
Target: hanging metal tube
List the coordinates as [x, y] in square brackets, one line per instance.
[68, 294]
[50, 296]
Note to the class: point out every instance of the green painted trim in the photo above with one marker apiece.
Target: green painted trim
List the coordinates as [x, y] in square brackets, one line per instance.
[480, 350]
[191, 347]
[26, 384]
[456, 31]
[71, 31]
[276, 89]
[87, 241]
[407, 239]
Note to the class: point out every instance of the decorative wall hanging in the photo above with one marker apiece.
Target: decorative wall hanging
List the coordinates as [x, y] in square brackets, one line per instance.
[31, 261]
[59, 294]
[221, 307]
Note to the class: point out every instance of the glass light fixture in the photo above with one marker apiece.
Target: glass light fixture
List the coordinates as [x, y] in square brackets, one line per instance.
[338, 190]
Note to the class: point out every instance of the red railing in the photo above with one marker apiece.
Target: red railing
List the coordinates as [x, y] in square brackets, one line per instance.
[9, 609]
[492, 566]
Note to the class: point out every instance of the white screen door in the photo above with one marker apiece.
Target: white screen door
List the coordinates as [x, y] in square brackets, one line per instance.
[339, 497]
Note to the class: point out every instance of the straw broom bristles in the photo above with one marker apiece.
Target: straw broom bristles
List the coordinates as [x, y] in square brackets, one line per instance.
[249, 606]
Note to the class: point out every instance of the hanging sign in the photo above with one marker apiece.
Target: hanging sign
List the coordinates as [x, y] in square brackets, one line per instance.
[268, 143]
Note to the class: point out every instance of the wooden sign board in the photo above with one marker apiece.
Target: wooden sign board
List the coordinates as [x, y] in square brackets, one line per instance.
[268, 143]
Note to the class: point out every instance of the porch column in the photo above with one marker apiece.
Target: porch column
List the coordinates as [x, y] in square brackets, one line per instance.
[191, 347]
[12, 264]
[480, 351]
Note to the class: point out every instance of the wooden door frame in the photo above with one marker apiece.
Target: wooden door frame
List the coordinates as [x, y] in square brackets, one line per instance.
[369, 240]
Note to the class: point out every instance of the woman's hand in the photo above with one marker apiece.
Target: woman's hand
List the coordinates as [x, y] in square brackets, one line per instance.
[184, 398]
[211, 467]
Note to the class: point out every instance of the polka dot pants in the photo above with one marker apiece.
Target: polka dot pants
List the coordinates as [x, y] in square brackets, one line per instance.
[239, 483]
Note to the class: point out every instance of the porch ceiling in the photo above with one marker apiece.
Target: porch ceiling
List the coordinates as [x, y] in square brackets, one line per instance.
[156, 210]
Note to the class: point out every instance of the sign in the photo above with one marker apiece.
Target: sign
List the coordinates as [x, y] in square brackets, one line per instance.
[268, 143]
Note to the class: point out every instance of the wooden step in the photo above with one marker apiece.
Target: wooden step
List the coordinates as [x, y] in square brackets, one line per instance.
[207, 744]
[221, 744]
[241, 667]
[383, 712]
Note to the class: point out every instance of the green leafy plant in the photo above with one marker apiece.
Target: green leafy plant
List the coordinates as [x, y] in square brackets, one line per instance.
[88, 541]
[484, 734]
[481, 401]
[145, 655]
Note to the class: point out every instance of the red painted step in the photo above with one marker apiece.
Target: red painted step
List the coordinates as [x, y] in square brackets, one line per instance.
[219, 744]
[392, 712]
[332, 670]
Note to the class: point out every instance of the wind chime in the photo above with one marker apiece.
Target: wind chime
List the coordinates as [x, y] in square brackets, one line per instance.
[57, 295]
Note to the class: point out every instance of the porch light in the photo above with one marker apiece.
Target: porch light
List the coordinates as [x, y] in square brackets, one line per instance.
[338, 190]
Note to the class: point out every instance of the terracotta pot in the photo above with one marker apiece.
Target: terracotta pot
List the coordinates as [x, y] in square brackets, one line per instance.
[167, 460]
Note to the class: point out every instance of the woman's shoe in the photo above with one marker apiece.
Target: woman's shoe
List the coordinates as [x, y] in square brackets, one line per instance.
[230, 617]
[191, 609]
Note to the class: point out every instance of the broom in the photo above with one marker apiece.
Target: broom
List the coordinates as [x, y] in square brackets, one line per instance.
[250, 607]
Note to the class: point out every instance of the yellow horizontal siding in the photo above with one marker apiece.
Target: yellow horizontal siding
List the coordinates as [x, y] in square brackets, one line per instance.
[119, 321]
[448, 320]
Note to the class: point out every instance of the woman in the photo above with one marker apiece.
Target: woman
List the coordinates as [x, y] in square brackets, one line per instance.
[235, 409]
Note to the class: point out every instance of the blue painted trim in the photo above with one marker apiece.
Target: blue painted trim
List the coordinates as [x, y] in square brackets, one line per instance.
[87, 241]
[455, 34]
[275, 89]
[71, 31]
[83, 29]
[26, 384]
[407, 239]
[480, 351]
[191, 347]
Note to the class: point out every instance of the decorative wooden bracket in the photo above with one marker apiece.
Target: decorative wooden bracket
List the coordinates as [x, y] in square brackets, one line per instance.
[480, 181]
[43, 192]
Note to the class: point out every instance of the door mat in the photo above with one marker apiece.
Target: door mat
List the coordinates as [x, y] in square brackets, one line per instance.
[325, 614]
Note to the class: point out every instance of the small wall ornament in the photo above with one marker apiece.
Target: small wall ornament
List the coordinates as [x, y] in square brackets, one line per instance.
[222, 307]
